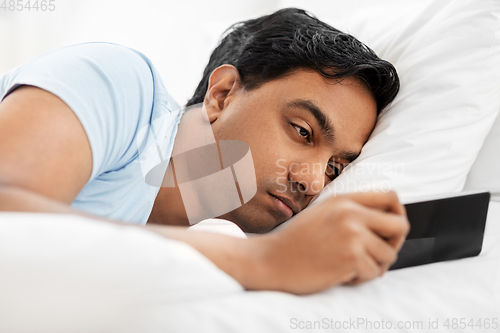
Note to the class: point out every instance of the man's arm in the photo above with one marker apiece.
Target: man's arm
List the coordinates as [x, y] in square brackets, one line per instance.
[346, 239]
[43, 146]
[45, 160]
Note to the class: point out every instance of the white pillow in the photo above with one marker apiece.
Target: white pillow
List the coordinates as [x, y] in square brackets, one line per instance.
[219, 226]
[448, 60]
[485, 172]
[65, 273]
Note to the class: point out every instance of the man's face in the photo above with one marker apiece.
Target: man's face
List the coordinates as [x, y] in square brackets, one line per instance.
[302, 130]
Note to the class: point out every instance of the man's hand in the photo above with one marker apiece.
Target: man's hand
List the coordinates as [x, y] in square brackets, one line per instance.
[345, 239]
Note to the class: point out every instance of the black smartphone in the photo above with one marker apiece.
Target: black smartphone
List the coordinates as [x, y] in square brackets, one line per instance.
[444, 229]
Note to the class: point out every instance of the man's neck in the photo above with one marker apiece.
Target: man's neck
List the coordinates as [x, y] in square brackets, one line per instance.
[194, 131]
[168, 208]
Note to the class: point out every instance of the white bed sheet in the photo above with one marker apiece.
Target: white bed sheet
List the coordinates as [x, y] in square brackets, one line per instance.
[467, 288]
[63, 273]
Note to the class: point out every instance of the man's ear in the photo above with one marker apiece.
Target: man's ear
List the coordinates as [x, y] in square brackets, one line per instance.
[223, 82]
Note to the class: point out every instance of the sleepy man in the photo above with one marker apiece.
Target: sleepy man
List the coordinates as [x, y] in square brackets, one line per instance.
[298, 92]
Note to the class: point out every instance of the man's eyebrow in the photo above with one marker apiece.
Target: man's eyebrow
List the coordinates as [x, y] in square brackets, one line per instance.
[348, 155]
[318, 114]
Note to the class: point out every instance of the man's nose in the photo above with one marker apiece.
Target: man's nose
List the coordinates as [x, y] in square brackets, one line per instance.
[309, 177]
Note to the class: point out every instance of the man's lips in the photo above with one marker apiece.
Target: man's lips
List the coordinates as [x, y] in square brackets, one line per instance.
[285, 205]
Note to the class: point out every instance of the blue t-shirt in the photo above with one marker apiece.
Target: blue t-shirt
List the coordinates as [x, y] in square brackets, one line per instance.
[117, 94]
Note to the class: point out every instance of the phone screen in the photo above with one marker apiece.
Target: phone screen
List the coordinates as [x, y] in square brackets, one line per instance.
[444, 229]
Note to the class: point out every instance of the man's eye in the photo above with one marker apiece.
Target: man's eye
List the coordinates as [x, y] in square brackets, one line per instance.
[303, 132]
[332, 171]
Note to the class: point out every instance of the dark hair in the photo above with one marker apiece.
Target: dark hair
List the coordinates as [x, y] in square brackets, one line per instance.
[269, 47]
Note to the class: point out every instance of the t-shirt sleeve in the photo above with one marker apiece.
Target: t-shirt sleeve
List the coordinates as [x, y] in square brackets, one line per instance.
[109, 87]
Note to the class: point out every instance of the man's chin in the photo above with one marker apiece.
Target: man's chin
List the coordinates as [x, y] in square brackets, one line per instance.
[250, 223]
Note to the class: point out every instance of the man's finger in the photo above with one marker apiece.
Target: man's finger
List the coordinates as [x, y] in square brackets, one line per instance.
[392, 228]
[367, 268]
[381, 251]
[387, 201]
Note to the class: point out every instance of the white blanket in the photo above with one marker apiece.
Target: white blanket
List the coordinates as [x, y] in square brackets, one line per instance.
[62, 273]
